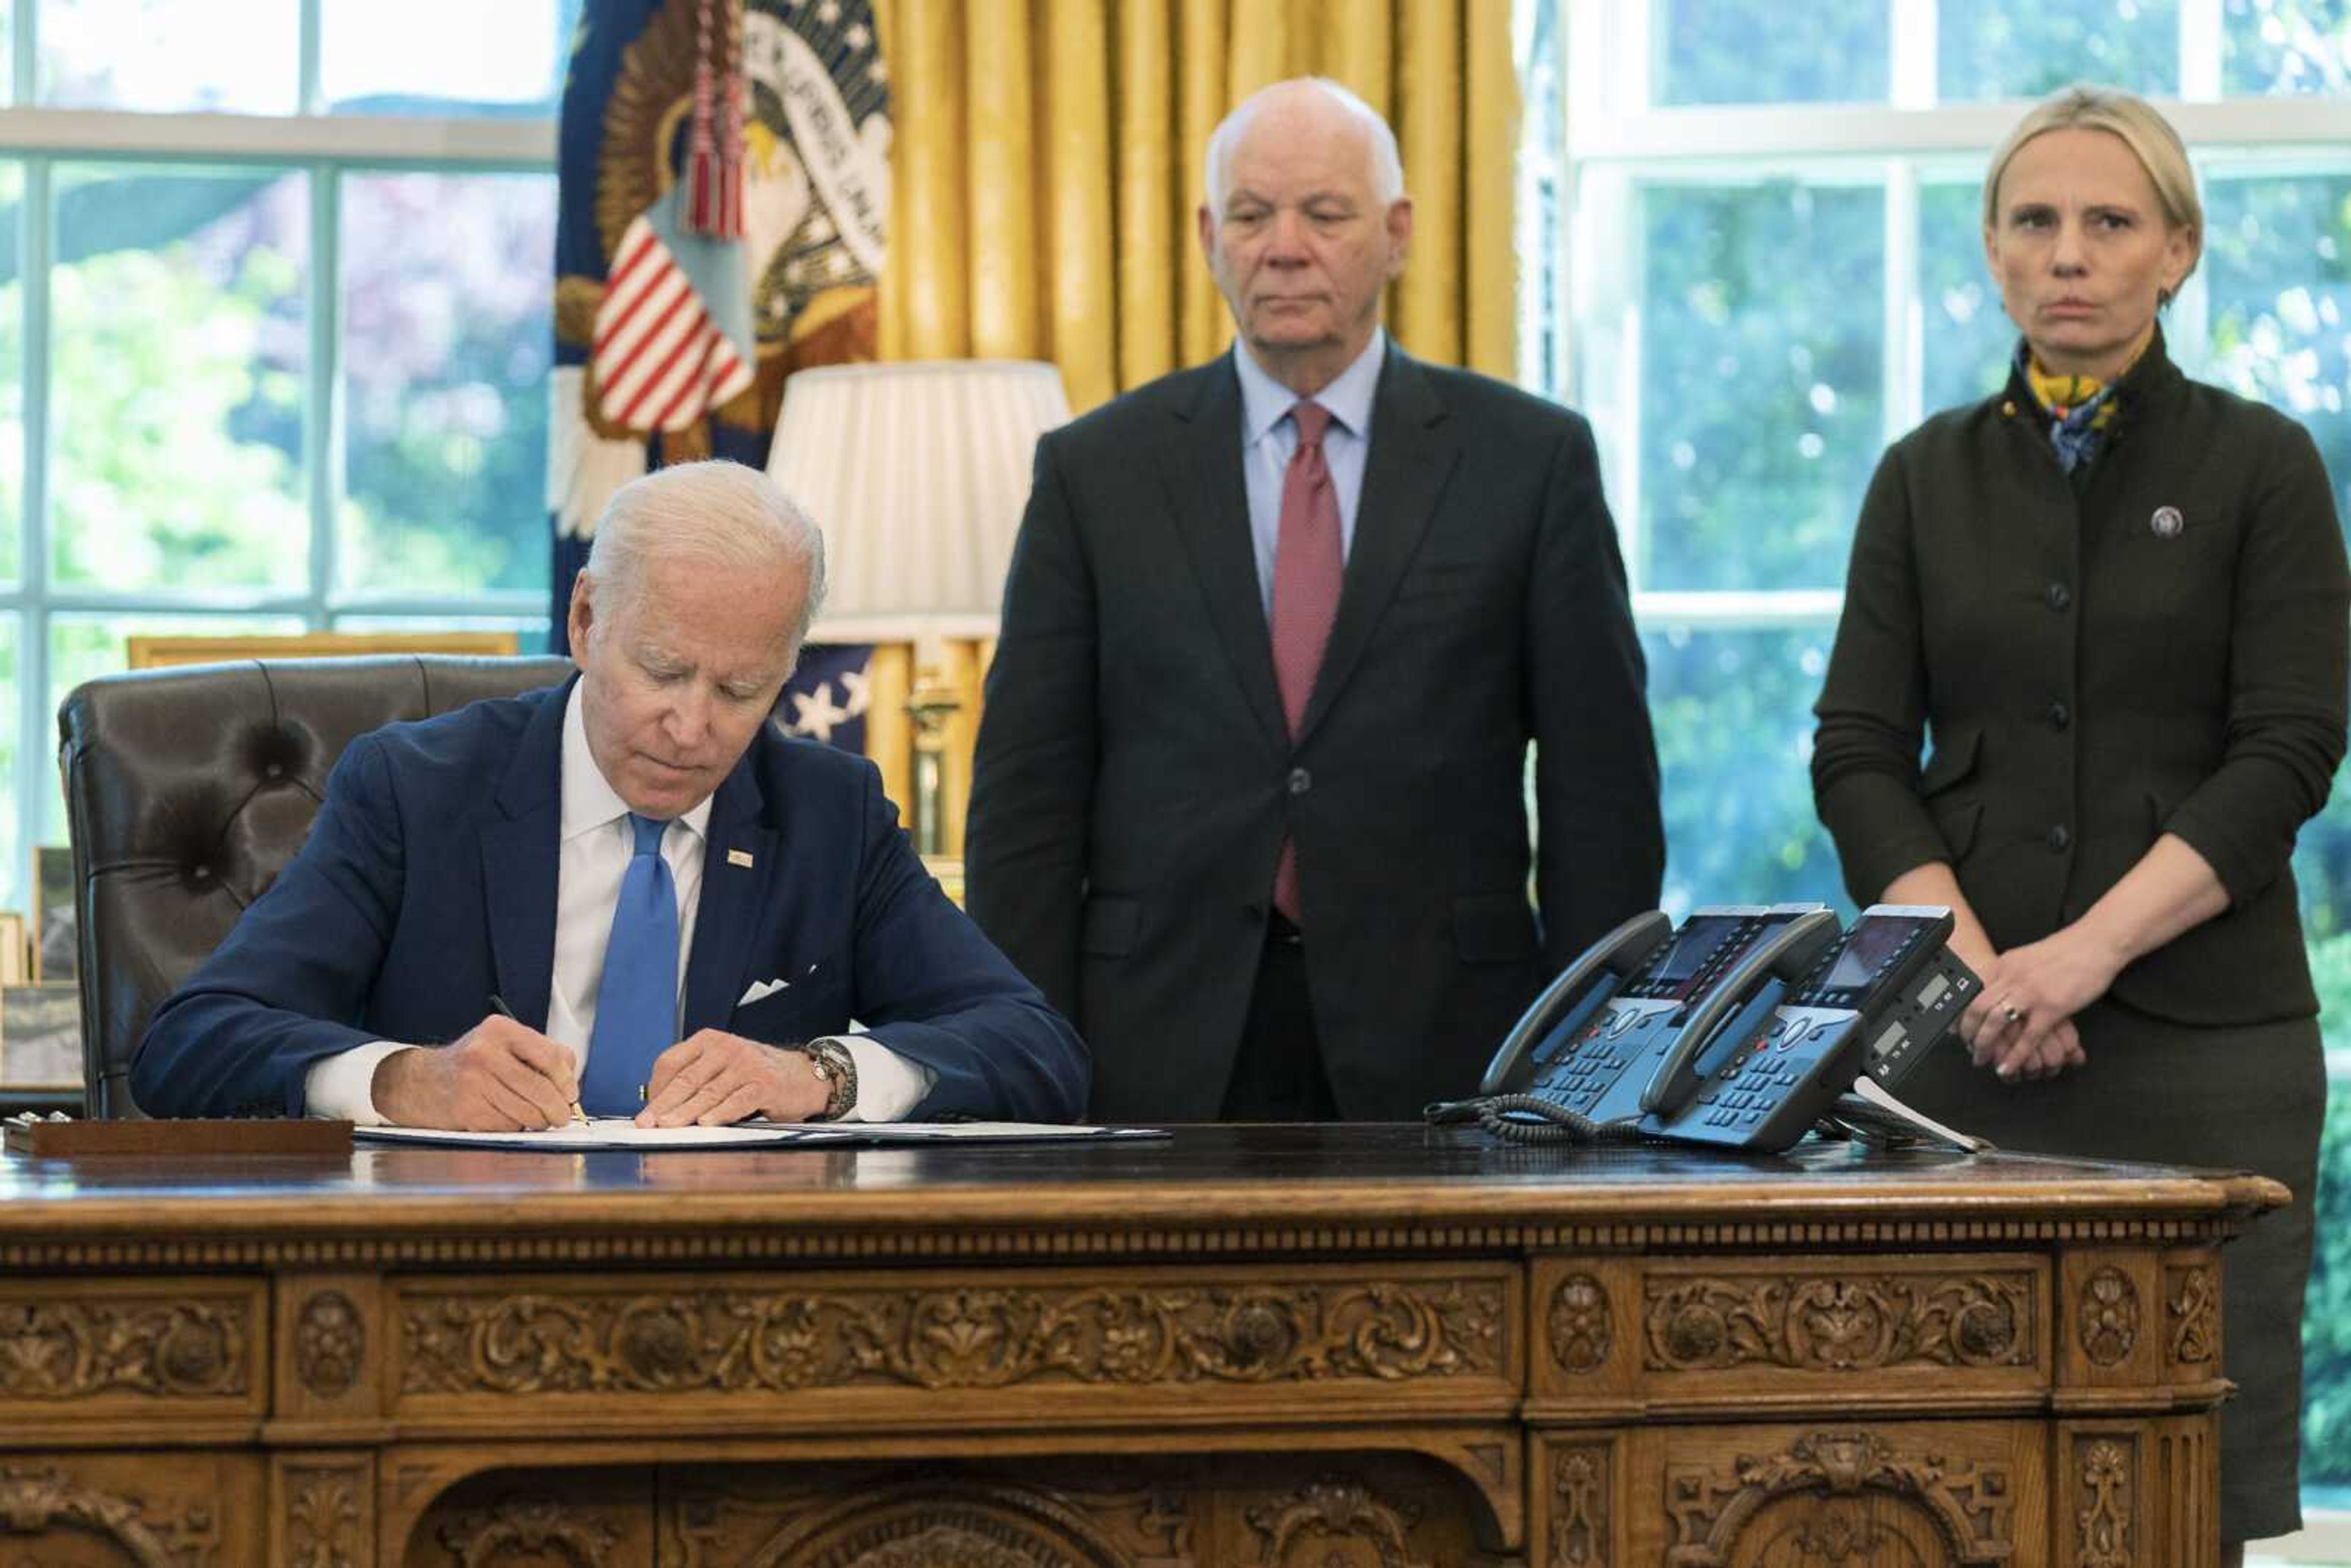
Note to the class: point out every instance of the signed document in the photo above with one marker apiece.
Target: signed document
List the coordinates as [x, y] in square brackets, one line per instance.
[620, 1132]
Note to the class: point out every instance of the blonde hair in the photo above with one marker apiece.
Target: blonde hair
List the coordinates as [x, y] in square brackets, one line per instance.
[2149, 136]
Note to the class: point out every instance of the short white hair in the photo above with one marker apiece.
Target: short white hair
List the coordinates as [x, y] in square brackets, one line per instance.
[1387, 163]
[716, 513]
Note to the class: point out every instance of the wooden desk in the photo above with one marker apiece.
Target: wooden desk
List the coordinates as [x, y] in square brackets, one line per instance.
[1356, 1347]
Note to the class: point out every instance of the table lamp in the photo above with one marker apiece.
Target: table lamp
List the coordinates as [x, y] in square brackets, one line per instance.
[918, 472]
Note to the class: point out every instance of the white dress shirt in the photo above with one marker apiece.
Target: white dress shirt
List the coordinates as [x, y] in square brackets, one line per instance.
[596, 846]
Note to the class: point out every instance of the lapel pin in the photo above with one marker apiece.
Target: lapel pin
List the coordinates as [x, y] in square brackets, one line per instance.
[2165, 523]
[739, 857]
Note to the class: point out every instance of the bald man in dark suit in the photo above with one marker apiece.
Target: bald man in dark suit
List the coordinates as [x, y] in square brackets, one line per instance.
[1250, 803]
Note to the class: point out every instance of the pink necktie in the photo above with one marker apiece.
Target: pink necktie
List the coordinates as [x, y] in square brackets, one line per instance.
[1306, 569]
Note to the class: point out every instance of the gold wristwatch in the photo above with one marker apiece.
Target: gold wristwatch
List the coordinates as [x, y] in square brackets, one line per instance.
[837, 1071]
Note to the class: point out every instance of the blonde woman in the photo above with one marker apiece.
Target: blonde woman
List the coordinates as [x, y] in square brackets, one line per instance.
[2116, 599]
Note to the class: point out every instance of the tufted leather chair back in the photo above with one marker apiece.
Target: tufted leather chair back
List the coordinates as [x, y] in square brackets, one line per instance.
[188, 789]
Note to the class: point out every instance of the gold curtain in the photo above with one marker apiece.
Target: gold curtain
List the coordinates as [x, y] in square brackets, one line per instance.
[1047, 165]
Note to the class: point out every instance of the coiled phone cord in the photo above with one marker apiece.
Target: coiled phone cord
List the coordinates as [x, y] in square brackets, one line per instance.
[1506, 1116]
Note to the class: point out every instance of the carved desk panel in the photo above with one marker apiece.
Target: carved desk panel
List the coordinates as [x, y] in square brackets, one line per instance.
[1294, 1346]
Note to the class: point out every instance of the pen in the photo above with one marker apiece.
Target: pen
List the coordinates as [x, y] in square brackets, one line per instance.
[498, 1006]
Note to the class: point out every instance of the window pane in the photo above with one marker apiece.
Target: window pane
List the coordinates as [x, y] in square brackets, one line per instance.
[2277, 262]
[239, 55]
[2025, 48]
[376, 58]
[1733, 714]
[85, 646]
[2287, 46]
[12, 373]
[176, 378]
[447, 295]
[1740, 51]
[1968, 336]
[1761, 372]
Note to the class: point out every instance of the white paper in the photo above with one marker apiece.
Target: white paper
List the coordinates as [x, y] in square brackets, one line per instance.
[620, 1132]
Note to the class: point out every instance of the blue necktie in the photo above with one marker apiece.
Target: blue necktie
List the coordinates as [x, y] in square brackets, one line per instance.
[636, 1002]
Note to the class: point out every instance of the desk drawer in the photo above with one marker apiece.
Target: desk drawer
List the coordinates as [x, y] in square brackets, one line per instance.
[961, 1347]
[79, 1356]
[1687, 1335]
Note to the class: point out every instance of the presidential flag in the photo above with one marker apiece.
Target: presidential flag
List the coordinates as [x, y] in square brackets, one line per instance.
[724, 201]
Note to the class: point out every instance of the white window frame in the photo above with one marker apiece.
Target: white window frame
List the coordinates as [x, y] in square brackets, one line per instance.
[325, 148]
[1612, 127]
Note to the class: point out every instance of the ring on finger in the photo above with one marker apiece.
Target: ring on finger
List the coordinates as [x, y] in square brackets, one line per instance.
[2012, 1013]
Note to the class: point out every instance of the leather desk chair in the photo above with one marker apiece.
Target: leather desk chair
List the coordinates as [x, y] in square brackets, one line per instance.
[188, 789]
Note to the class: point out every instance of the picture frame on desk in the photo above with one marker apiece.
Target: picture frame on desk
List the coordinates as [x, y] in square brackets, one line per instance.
[56, 950]
[40, 1038]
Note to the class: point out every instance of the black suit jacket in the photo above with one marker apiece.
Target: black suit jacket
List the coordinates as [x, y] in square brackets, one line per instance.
[2094, 678]
[1136, 780]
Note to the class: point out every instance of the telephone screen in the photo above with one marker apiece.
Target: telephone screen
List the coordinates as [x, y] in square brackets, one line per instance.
[1694, 944]
[1869, 944]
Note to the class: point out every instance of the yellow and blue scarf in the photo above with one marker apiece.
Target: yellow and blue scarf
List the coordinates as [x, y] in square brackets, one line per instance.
[2081, 409]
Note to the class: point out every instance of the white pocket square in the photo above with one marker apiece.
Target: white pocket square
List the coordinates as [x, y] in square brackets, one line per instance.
[761, 990]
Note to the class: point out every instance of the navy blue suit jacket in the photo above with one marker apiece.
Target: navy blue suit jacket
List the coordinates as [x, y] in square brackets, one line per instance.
[428, 883]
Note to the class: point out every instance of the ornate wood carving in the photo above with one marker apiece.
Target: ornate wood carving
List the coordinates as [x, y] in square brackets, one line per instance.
[52, 1349]
[1969, 1507]
[950, 1523]
[1839, 1323]
[747, 1341]
[329, 1344]
[1579, 1506]
[1580, 1328]
[2108, 1319]
[33, 1503]
[2108, 1480]
[2191, 1299]
[1335, 1508]
[479, 1536]
[326, 1514]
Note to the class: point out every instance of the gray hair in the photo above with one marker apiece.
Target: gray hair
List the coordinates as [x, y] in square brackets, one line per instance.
[720, 514]
[1387, 163]
[2149, 136]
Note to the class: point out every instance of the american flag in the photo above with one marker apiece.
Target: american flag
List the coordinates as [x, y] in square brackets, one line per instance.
[673, 335]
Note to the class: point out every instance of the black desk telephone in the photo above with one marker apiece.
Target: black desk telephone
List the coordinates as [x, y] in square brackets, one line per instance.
[1739, 1029]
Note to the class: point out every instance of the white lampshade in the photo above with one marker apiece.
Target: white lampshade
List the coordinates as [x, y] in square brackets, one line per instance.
[917, 472]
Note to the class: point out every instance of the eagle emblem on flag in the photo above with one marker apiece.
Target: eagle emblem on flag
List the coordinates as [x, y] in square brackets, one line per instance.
[722, 221]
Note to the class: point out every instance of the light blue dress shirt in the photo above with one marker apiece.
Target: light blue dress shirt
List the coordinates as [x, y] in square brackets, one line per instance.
[1270, 440]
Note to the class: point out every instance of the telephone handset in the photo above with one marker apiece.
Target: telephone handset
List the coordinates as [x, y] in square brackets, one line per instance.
[1875, 1000]
[1568, 1003]
[1738, 1002]
[1591, 1041]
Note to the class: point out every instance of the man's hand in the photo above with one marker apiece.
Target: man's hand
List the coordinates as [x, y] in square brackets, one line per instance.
[716, 1078]
[501, 1077]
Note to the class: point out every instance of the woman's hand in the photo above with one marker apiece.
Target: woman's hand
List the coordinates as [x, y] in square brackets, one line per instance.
[2025, 1014]
[2043, 1054]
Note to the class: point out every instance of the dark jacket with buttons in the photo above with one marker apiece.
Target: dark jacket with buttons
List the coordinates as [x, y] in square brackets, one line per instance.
[2094, 673]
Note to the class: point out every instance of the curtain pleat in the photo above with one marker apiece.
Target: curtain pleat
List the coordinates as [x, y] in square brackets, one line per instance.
[1047, 171]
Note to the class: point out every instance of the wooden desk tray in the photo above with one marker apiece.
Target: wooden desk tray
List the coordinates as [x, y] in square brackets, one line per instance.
[68, 1140]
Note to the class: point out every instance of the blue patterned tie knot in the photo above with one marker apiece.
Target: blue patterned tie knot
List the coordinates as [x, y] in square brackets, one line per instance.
[636, 1001]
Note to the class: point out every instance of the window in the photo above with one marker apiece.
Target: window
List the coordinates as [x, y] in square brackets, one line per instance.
[275, 333]
[1761, 262]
